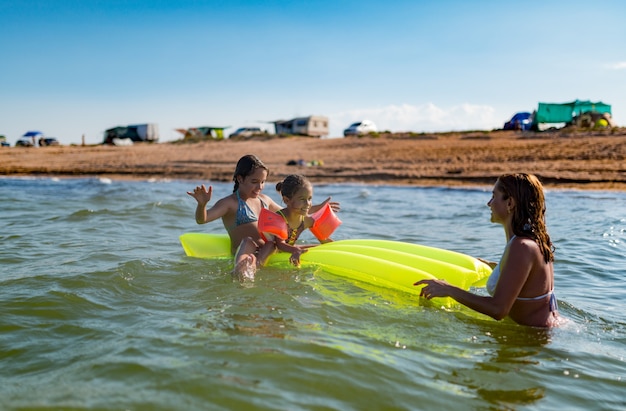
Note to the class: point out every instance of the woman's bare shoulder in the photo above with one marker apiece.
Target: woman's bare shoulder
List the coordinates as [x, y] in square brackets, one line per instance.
[521, 241]
[525, 245]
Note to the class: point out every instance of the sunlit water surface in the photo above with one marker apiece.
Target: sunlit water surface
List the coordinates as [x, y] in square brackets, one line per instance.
[101, 309]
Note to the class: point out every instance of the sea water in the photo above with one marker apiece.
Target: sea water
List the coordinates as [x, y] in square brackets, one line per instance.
[101, 309]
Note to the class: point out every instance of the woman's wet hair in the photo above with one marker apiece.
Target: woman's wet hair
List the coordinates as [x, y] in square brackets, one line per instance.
[247, 165]
[529, 214]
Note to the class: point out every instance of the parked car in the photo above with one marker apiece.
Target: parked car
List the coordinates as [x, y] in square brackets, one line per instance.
[519, 121]
[25, 142]
[247, 132]
[360, 128]
[3, 142]
[48, 141]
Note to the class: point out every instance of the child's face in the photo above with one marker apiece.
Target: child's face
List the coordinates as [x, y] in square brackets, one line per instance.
[301, 200]
[252, 185]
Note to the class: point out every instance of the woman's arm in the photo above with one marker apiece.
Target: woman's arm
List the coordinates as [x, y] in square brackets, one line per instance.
[482, 304]
[514, 270]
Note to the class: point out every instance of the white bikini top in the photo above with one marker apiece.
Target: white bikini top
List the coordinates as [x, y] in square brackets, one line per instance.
[492, 282]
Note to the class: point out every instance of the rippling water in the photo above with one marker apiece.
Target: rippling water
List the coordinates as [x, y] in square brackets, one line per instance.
[100, 308]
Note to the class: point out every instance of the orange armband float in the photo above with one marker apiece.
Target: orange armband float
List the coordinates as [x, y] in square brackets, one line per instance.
[326, 222]
[272, 223]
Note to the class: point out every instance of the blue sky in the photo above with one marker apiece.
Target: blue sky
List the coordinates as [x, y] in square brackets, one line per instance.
[77, 67]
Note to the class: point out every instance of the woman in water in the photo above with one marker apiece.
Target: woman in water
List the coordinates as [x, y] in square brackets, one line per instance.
[521, 285]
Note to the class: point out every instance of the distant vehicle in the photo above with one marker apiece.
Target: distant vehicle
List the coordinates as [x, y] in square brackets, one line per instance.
[520, 121]
[311, 126]
[29, 139]
[48, 141]
[360, 128]
[148, 132]
[247, 132]
[24, 142]
[3, 142]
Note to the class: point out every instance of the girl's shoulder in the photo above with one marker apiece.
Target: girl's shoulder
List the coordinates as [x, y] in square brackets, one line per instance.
[269, 203]
[230, 200]
[308, 221]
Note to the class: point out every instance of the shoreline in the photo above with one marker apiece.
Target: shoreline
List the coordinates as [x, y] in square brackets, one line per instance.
[574, 160]
[443, 184]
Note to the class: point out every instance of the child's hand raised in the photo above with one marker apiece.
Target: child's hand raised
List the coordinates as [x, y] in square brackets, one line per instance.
[333, 204]
[201, 194]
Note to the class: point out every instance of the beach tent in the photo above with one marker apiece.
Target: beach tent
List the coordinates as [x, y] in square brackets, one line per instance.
[565, 112]
[30, 137]
[137, 132]
[203, 133]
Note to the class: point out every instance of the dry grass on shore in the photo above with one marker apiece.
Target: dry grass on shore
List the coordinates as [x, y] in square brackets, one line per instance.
[570, 159]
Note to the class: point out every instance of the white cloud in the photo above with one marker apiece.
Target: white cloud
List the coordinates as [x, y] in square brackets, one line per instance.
[424, 118]
[617, 66]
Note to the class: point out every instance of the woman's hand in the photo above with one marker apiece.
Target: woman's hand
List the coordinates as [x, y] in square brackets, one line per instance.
[433, 288]
[491, 264]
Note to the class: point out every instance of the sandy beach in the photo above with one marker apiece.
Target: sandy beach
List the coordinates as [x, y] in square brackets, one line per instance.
[562, 159]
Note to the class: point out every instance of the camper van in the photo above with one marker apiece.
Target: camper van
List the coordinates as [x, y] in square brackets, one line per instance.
[314, 126]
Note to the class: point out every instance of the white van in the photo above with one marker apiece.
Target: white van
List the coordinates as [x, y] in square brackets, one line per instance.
[360, 128]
